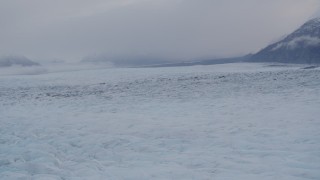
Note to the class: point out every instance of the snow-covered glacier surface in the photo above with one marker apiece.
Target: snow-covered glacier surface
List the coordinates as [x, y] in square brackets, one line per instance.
[228, 122]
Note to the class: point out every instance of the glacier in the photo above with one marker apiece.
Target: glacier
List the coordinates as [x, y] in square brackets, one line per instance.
[228, 121]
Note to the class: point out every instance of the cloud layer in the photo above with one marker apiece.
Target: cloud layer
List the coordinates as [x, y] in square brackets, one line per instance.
[156, 29]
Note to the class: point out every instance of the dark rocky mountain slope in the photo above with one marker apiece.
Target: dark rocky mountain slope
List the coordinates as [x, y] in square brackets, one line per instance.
[301, 46]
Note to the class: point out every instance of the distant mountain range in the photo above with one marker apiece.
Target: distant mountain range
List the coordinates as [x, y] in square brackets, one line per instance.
[301, 46]
[8, 61]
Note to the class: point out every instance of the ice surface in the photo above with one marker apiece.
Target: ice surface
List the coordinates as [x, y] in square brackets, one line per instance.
[234, 121]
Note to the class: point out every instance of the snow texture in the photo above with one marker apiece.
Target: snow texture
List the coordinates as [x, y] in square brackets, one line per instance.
[228, 122]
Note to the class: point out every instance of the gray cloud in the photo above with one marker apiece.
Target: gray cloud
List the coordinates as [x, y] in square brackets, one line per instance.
[155, 29]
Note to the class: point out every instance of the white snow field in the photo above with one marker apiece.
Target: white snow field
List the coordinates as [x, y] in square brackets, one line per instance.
[223, 122]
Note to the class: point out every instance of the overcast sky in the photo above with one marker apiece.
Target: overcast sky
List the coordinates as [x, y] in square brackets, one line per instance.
[170, 29]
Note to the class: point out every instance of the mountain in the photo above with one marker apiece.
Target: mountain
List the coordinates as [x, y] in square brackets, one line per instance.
[16, 60]
[301, 46]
